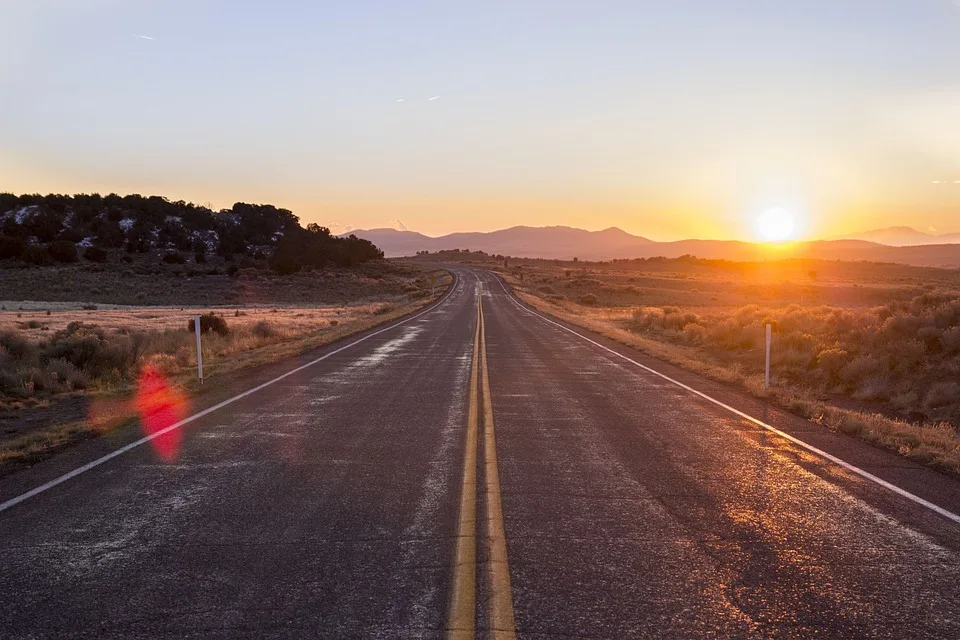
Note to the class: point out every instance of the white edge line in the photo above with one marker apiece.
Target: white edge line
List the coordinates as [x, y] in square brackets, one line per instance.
[809, 447]
[113, 454]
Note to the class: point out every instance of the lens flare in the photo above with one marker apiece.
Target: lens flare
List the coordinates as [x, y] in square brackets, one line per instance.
[160, 405]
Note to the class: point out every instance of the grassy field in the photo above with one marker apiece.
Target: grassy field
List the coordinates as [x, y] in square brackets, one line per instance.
[148, 281]
[68, 370]
[872, 350]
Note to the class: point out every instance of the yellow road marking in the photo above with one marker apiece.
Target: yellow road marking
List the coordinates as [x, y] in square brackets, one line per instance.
[461, 621]
[501, 622]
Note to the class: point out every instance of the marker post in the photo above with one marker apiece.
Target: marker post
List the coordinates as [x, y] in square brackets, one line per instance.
[766, 374]
[196, 329]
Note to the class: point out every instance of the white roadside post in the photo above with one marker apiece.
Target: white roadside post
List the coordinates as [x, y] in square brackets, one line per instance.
[766, 375]
[196, 329]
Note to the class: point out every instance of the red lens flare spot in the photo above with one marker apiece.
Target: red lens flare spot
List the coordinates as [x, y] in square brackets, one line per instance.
[160, 405]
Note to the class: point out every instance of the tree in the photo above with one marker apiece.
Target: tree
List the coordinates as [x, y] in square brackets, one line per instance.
[11, 247]
[95, 254]
[63, 251]
[38, 255]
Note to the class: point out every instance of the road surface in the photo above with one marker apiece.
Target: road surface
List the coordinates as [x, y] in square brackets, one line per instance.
[478, 470]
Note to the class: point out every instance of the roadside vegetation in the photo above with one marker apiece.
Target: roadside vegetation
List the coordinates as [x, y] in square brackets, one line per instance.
[872, 350]
[58, 362]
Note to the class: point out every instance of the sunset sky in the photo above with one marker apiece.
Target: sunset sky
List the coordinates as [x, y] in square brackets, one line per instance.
[667, 118]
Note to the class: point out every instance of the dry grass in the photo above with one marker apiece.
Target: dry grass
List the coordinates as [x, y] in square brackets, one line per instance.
[99, 354]
[148, 281]
[37, 325]
[885, 373]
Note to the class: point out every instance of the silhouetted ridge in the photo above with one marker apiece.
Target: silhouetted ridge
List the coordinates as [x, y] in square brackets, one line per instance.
[44, 229]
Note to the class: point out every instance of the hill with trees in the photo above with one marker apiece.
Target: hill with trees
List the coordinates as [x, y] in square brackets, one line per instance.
[46, 230]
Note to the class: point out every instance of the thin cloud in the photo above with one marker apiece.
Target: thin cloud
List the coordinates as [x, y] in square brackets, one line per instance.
[144, 37]
[434, 98]
[401, 99]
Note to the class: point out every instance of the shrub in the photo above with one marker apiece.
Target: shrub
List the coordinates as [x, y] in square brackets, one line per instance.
[588, 298]
[233, 270]
[63, 251]
[694, 333]
[11, 247]
[381, 309]
[906, 355]
[874, 388]
[746, 315]
[16, 346]
[210, 322]
[901, 326]
[791, 356]
[285, 266]
[200, 258]
[95, 254]
[546, 289]
[10, 383]
[950, 340]
[832, 361]
[861, 368]
[36, 379]
[128, 351]
[81, 344]
[648, 318]
[264, 329]
[941, 395]
[67, 374]
[677, 321]
[174, 257]
[38, 255]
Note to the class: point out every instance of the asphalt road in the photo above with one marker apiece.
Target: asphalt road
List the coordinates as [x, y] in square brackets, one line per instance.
[482, 471]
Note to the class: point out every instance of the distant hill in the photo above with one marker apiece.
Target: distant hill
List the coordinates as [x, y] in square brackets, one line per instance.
[531, 242]
[904, 237]
[566, 243]
[43, 230]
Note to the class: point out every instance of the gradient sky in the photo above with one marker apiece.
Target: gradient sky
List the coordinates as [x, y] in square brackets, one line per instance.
[667, 118]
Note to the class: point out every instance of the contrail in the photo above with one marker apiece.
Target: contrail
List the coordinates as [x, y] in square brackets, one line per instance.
[433, 98]
[144, 37]
[401, 99]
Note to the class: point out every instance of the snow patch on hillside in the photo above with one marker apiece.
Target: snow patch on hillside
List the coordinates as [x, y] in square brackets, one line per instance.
[22, 215]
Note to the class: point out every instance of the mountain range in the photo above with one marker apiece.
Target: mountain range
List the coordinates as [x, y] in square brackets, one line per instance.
[903, 237]
[565, 243]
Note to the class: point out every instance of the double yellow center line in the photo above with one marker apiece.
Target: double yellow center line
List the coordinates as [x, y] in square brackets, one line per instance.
[461, 621]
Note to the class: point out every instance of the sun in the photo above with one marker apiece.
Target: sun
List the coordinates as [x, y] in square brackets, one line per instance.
[776, 225]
